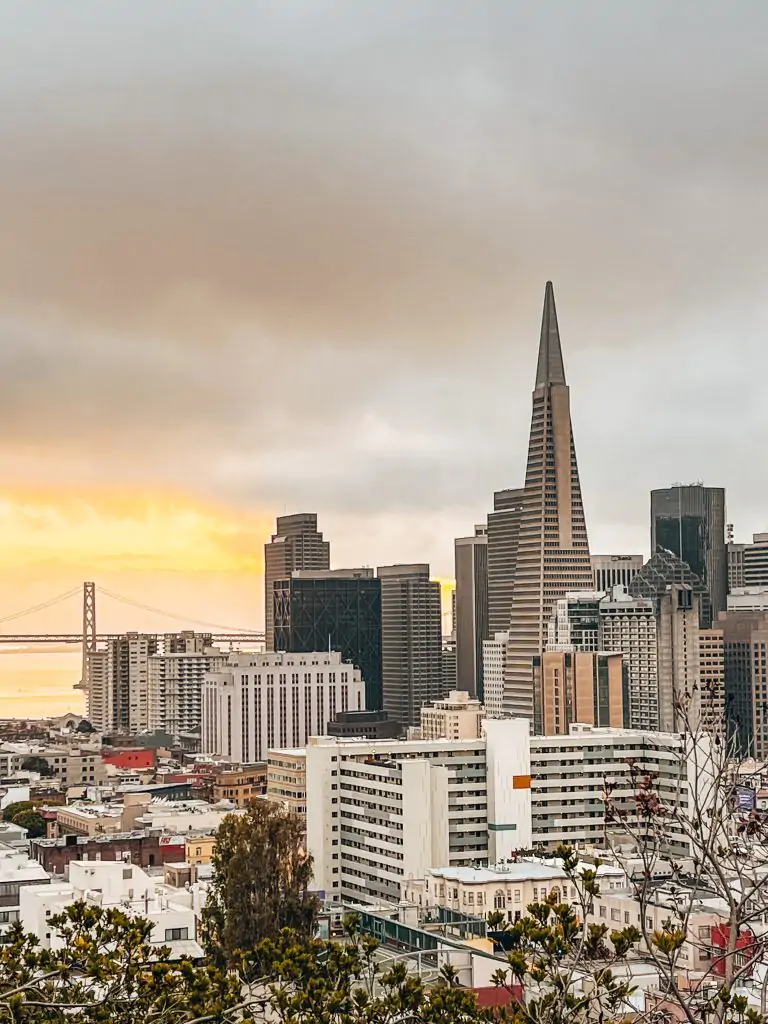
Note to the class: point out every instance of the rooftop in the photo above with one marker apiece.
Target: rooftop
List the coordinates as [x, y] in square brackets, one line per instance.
[517, 871]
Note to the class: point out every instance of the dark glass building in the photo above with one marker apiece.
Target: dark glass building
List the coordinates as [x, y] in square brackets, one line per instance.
[336, 609]
[689, 521]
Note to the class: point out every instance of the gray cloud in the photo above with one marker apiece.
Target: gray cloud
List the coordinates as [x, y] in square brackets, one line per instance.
[293, 253]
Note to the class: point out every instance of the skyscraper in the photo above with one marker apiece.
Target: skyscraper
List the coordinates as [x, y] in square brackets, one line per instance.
[552, 548]
[609, 571]
[690, 522]
[503, 533]
[471, 617]
[411, 641]
[296, 545]
[336, 608]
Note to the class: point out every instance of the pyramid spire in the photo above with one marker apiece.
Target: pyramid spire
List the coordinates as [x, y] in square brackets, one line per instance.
[549, 369]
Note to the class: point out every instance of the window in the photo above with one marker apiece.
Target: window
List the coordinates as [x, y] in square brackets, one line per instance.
[602, 911]
[615, 914]
[176, 934]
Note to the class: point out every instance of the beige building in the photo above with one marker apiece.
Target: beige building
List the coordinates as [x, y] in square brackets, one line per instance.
[89, 819]
[578, 686]
[457, 717]
[712, 679]
[75, 768]
[240, 786]
[199, 849]
[552, 552]
[287, 779]
[507, 887]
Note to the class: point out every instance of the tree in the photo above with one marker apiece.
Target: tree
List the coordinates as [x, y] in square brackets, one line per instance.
[108, 971]
[85, 727]
[10, 812]
[33, 822]
[37, 764]
[261, 881]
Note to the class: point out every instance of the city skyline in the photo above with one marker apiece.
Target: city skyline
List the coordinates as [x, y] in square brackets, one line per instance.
[193, 342]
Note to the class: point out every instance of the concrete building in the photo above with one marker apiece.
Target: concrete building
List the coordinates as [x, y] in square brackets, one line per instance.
[494, 662]
[75, 767]
[411, 640]
[629, 625]
[297, 544]
[17, 871]
[609, 571]
[471, 621]
[333, 609]
[552, 547]
[381, 812]
[509, 887]
[578, 686]
[175, 685]
[287, 779]
[755, 561]
[735, 560]
[448, 665]
[503, 532]
[242, 785]
[745, 655]
[712, 680]
[689, 520]
[748, 599]
[458, 717]
[569, 775]
[262, 701]
[113, 885]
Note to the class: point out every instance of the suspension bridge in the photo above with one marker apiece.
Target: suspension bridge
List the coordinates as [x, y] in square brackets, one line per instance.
[89, 638]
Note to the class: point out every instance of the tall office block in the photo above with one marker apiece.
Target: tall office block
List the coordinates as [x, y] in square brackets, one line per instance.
[552, 547]
[411, 641]
[471, 615]
[588, 687]
[690, 522]
[494, 663]
[296, 545]
[338, 609]
[575, 622]
[745, 641]
[503, 532]
[609, 571]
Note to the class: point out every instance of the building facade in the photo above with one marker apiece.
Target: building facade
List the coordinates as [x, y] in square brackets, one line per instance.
[381, 812]
[471, 618]
[458, 716]
[690, 522]
[297, 544]
[336, 609]
[262, 701]
[411, 640]
[552, 547]
[609, 571]
[287, 780]
[494, 665]
[579, 686]
[503, 532]
[372, 725]
[175, 686]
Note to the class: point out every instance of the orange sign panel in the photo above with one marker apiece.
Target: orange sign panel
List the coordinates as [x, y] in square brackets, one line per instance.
[521, 782]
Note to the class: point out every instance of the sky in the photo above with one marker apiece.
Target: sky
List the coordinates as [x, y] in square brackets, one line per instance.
[267, 257]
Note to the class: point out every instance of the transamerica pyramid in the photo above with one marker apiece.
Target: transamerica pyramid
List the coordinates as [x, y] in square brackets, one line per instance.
[552, 548]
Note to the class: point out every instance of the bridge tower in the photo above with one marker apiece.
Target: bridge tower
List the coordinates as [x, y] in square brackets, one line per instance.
[89, 634]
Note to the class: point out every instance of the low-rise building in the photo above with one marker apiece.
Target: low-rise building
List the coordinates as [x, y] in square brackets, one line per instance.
[458, 717]
[287, 779]
[89, 819]
[199, 849]
[17, 870]
[147, 849]
[75, 767]
[240, 785]
[105, 884]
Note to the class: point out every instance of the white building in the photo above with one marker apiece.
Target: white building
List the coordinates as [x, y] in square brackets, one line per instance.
[260, 701]
[17, 871]
[494, 660]
[175, 686]
[570, 774]
[113, 884]
[457, 717]
[380, 812]
[508, 887]
[609, 571]
[748, 599]
[629, 625]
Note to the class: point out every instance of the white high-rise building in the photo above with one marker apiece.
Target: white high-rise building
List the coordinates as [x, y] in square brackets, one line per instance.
[494, 662]
[260, 701]
[609, 571]
[381, 811]
[629, 625]
[175, 686]
[457, 717]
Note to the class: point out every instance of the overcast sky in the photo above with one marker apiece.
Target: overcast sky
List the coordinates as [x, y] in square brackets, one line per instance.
[271, 257]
